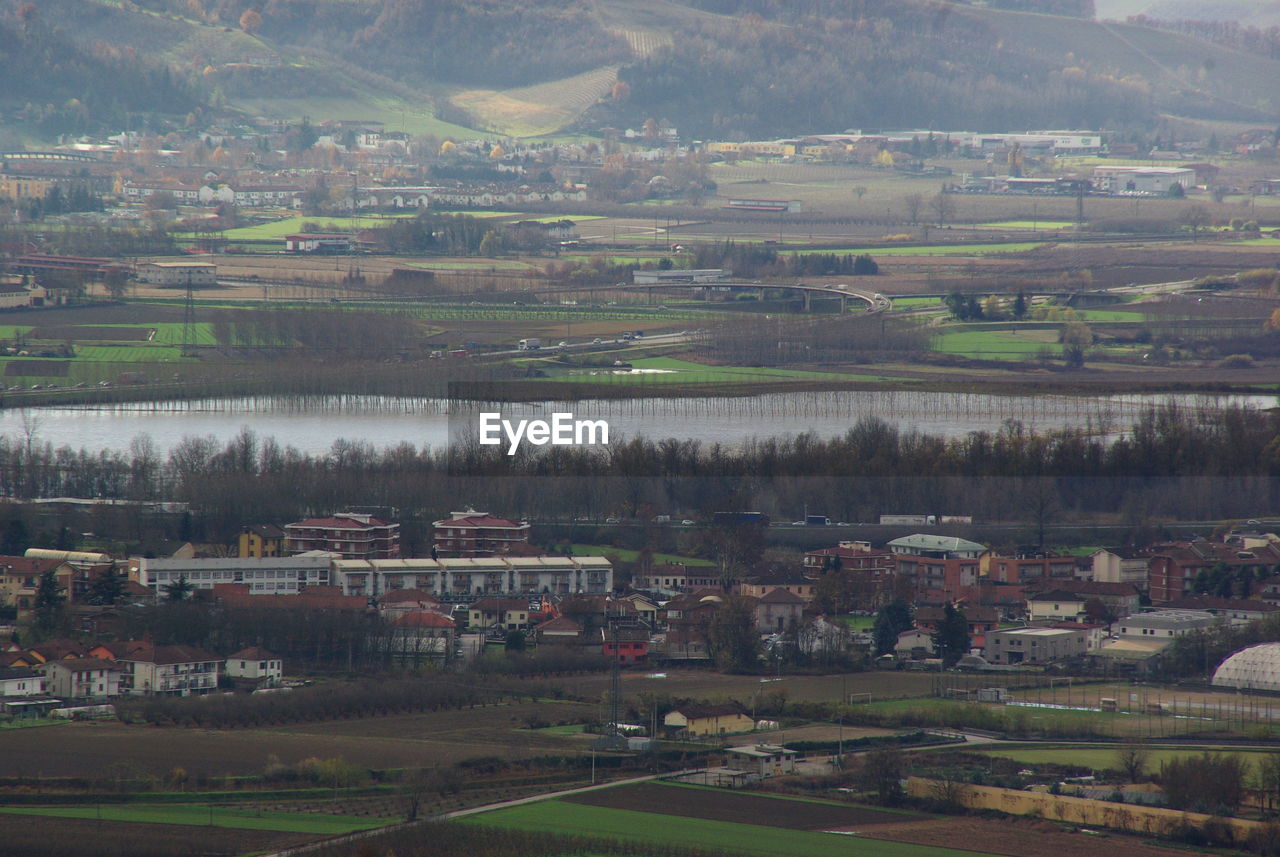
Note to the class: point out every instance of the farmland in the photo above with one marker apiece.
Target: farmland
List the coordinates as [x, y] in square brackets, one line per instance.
[27, 835]
[1104, 757]
[189, 814]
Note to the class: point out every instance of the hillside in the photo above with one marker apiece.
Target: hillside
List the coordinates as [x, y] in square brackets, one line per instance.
[712, 67]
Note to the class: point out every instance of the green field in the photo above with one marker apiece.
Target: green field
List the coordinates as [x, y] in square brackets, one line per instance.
[217, 816]
[626, 555]
[858, 623]
[561, 817]
[277, 229]
[1258, 242]
[997, 345]
[668, 370]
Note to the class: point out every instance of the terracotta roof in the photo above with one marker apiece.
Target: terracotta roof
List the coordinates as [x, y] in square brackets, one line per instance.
[237, 595]
[253, 653]
[122, 648]
[7, 673]
[482, 521]
[170, 655]
[1209, 602]
[57, 649]
[337, 523]
[1090, 587]
[424, 619]
[560, 624]
[780, 596]
[27, 565]
[495, 605]
[266, 531]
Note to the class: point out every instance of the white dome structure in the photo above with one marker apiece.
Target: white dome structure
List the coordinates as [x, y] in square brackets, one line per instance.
[1252, 668]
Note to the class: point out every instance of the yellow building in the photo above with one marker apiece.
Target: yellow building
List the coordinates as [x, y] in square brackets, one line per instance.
[690, 720]
[261, 541]
[19, 187]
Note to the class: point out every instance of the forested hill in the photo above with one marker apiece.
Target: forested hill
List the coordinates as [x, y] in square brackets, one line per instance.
[714, 68]
[55, 85]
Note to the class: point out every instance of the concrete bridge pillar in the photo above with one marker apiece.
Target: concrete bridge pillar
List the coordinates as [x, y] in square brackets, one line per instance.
[808, 300]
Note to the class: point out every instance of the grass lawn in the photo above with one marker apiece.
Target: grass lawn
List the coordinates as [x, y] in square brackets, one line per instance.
[571, 729]
[626, 555]
[672, 371]
[561, 817]
[859, 623]
[1258, 242]
[276, 230]
[1132, 315]
[998, 345]
[218, 816]
[938, 249]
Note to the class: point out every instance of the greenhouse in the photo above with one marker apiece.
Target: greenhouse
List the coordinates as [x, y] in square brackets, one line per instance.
[1253, 668]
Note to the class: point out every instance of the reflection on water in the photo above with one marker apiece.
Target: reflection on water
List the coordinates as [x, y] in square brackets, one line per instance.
[313, 424]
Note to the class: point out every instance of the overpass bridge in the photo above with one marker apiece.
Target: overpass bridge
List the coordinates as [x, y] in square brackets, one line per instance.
[48, 156]
[875, 301]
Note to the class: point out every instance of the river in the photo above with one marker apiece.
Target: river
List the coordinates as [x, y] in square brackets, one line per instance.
[312, 425]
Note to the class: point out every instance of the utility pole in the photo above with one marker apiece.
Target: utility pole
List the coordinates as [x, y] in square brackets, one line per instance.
[188, 318]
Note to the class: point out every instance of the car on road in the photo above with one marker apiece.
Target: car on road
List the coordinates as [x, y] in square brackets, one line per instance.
[596, 341]
[612, 521]
[688, 523]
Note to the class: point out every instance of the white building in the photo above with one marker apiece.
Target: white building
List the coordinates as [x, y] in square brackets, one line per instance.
[169, 671]
[83, 678]
[1120, 565]
[257, 664]
[1163, 624]
[19, 681]
[1142, 180]
[263, 576]
[465, 578]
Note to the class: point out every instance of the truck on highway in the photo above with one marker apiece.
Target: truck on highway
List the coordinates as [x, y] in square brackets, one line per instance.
[532, 344]
[817, 521]
[895, 520]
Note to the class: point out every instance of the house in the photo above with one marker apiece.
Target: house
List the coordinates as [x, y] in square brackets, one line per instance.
[696, 720]
[1117, 599]
[348, 534]
[914, 645]
[260, 541]
[317, 242]
[1163, 625]
[1120, 565]
[237, 596]
[54, 650]
[1036, 645]
[979, 617]
[398, 602]
[1174, 568]
[20, 580]
[672, 578]
[626, 645]
[763, 760]
[559, 631]
[21, 681]
[777, 610]
[646, 609]
[256, 664]
[509, 614]
[757, 587]
[473, 533]
[83, 678]
[1029, 568]
[1056, 605]
[169, 671]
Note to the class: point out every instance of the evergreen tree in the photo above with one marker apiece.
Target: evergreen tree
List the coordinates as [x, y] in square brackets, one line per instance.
[49, 601]
[179, 590]
[16, 539]
[731, 635]
[1020, 305]
[951, 640]
[892, 620]
[107, 587]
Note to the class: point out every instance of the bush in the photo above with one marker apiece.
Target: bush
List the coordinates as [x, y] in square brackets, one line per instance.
[1236, 361]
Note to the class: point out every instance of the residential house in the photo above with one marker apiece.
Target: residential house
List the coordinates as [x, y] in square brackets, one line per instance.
[260, 541]
[237, 596]
[398, 602]
[674, 578]
[777, 610]
[21, 681]
[759, 586]
[507, 614]
[348, 534]
[169, 671]
[914, 645]
[693, 721]
[646, 609]
[1120, 565]
[1056, 605]
[869, 575]
[558, 631]
[20, 580]
[1163, 625]
[473, 533]
[980, 619]
[83, 678]
[257, 665]
[1117, 599]
[54, 650]
[627, 645]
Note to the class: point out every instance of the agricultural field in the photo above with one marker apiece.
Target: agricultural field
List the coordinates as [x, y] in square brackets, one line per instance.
[212, 816]
[740, 824]
[90, 837]
[668, 370]
[1104, 757]
[997, 345]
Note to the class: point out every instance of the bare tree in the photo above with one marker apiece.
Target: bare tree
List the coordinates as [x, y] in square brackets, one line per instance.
[1197, 217]
[913, 202]
[943, 207]
[1131, 758]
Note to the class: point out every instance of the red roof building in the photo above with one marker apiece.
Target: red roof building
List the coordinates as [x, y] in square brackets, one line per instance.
[353, 536]
[472, 533]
